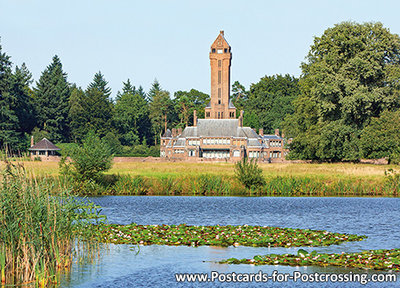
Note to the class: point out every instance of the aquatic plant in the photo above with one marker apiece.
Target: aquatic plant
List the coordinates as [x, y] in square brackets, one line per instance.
[372, 259]
[37, 231]
[229, 235]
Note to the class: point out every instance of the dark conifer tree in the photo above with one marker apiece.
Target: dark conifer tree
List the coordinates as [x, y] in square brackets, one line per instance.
[52, 101]
[8, 118]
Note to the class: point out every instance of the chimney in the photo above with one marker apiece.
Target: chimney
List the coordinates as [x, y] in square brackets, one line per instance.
[32, 141]
[277, 132]
[179, 131]
[261, 132]
[221, 32]
[241, 118]
[194, 118]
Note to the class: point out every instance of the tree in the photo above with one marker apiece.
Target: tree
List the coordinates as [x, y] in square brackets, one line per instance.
[77, 115]
[350, 76]
[23, 105]
[51, 101]
[271, 100]
[100, 84]
[127, 88]
[88, 160]
[186, 102]
[131, 116]
[8, 118]
[239, 96]
[381, 138]
[160, 105]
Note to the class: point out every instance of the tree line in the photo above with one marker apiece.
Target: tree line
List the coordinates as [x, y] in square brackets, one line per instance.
[343, 107]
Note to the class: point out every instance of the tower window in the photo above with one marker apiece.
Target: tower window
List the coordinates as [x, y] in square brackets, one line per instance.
[225, 50]
[213, 50]
[219, 76]
[219, 63]
[219, 101]
[219, 92]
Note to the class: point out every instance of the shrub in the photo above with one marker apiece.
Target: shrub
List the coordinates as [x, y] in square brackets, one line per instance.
[89, 160]
[249, 174]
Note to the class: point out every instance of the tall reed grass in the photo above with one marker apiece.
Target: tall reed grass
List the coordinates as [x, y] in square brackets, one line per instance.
[226, 185]
[37, 231]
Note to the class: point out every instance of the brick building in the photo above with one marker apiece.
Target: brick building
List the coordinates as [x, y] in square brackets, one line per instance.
[221, 136]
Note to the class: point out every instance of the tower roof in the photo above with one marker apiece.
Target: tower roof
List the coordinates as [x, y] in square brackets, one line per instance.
[220, 42]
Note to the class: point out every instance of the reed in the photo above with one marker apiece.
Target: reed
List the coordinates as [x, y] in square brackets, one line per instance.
[37, 231]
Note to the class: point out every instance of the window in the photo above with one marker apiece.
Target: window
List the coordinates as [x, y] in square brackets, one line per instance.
[219, 92]
[219, 51]
[219, 63]
[236, 153]
[192, 153]
[208, 114]
[219, 77]
[219, 115]
[222, 115]
[231, 115]
[225, 50]
[213, 50]
[219, 101]
[220, 141]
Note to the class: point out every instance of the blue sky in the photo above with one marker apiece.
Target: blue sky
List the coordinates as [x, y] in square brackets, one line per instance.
[170, 40]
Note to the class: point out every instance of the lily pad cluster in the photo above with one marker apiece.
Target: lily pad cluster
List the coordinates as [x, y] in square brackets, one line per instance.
[372, 259]
[244, 235]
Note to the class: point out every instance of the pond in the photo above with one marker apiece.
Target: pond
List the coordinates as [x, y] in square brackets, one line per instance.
[155, 266]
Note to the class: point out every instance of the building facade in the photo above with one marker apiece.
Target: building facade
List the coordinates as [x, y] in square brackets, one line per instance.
[221, 136]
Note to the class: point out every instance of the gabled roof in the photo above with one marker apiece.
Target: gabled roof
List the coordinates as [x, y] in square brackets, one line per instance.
[220, 42]
[44, 145]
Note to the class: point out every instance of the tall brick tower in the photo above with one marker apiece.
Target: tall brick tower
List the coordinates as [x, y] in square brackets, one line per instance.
[220, 106]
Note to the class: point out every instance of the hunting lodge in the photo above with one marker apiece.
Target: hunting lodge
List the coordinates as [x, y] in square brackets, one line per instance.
[221, 136]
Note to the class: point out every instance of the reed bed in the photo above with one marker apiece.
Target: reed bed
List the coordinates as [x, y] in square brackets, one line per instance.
[37, 231]
[223, 185]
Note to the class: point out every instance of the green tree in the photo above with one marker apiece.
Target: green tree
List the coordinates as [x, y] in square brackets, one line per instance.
[91, 110]
[186, 102]
[160, 107]
[100, 83]
[131, 116]
[381, 138]
[239, 96]
[52, 101]
[9, 123]
[77, 115]
[271, 100]
[88, 160]
[350, 76]
[23, 105]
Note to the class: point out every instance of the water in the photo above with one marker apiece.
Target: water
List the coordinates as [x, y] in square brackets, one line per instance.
[155, 266]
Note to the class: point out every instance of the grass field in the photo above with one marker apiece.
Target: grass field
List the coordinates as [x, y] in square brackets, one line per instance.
[335, 171]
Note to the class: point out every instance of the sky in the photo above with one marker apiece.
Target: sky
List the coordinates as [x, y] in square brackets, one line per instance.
[169, 40]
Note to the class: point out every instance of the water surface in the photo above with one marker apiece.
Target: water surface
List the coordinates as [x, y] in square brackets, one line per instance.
[155, 266]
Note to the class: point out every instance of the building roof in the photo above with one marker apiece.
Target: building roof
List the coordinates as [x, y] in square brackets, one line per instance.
[167, 133]
[44, 145]
[272, 137]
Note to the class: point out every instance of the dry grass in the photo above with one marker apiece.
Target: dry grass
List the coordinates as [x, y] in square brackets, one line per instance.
[325, 171]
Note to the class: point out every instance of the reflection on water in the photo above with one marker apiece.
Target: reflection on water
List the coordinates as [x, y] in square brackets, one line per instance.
[155, 266]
